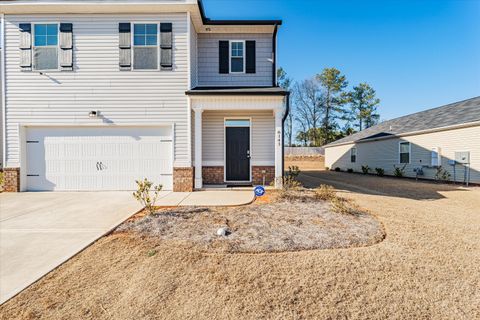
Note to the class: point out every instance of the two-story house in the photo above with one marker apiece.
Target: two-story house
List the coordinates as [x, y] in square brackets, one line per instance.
[98, 94]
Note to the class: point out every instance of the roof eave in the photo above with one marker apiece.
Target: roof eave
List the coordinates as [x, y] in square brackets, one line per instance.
[208, 21]
[405, 134]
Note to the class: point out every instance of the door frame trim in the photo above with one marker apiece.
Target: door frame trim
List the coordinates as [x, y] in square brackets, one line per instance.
[23, 127]
[225, 147]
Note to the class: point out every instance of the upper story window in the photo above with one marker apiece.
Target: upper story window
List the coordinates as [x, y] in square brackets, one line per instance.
[237, 56]
[145, 46]
[45, 45]
[404, 150]
[353, 154]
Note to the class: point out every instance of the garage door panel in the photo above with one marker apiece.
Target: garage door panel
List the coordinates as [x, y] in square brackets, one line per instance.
[98, 158]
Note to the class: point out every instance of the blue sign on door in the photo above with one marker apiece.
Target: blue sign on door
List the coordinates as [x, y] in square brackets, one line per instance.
[259, 191]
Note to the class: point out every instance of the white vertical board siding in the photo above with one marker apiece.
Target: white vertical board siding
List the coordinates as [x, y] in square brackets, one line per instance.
[385, 153]
[122, 97]
[208, 61]
[262, 136]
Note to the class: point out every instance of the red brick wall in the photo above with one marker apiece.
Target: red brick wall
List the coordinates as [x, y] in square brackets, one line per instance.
[257, 173]
[183, 179]
[212, 175]
[11, 177]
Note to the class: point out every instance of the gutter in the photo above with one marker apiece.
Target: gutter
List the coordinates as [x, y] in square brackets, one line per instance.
[411, 133]
[287, 111]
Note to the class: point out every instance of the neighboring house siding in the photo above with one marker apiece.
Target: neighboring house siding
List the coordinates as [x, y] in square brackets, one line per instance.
[1, 119]
[122, 97]
[262, 136]
[208, 61]
[384, 153]
[193, 57]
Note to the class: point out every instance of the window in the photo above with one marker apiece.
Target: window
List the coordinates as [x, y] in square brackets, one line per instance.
[237, 123]
[145, 46]
[237, 59]
[45, 46]
[404, 152]
[353, 154]
[436, 158]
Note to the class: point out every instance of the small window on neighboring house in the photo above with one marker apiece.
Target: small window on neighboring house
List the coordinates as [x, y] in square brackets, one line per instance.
[353, 154]
[404, 152]
[45, 46]
[145, 46]
[237, 58]
[436, 159]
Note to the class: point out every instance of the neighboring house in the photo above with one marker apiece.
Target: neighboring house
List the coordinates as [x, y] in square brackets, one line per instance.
[100, 93]
[448, 136]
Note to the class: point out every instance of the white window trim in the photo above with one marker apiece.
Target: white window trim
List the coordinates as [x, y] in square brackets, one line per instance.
[409, 152]
[225, 147]
[230, 56]
[132, 37]
[58, 46]
[351, 154]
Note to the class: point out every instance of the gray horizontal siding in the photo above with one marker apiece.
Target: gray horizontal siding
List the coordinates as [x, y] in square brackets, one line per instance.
[148, 97]
[208, 61]
[262, 130]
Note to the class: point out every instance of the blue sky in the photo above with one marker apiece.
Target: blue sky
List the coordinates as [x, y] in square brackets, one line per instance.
[417, 54]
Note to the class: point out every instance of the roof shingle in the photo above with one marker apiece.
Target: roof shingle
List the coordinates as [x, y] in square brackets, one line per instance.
[449, 115]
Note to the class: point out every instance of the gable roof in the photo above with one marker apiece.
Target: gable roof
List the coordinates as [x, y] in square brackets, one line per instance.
[457, 113]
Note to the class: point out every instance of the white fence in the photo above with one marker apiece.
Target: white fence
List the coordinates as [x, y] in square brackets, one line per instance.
[304, 151]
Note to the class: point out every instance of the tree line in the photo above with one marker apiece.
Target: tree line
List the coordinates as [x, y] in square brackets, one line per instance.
[324, 110]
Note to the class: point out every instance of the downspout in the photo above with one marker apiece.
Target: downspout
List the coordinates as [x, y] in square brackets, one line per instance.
[3, 86]
[274, 58]
[287, 111]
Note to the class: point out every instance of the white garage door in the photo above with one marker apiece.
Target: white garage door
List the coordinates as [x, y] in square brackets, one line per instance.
[98, 158]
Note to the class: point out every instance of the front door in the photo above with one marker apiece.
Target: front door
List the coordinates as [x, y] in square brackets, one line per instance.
[237, 153]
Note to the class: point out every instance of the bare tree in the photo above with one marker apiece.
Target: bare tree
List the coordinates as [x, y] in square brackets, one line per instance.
[307, 100]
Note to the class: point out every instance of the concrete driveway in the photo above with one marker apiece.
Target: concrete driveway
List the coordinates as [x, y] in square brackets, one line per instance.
[39, 231]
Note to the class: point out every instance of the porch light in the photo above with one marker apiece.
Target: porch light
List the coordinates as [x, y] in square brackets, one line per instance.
[93, 114]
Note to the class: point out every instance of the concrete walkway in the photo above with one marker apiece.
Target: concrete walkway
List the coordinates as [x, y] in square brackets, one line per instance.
[41, 230]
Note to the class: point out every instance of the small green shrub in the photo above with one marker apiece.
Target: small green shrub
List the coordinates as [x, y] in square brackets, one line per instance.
[324, 192]
[380, 172]
[290, 180]
[399, 172]
[144, 196]
[350, 170]
[327, 168]
[442, 174]
[365, 169]
[337, 169]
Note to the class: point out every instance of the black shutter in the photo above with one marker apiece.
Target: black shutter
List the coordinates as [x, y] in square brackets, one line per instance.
[25, 46]
[223, 57]
[251, 62]
[166, 58]
[124, 46]
[66, 46]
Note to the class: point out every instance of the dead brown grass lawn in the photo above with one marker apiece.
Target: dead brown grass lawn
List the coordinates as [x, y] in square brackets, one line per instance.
[426, 268]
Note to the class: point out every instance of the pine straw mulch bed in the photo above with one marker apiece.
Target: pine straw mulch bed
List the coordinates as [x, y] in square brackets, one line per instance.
[286, 221]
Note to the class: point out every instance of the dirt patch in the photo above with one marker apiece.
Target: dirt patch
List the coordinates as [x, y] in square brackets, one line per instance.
[316, 162]
[298, 221]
